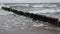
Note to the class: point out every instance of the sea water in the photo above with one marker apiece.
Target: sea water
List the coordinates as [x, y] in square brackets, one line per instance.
[38, 8]
[12, 22]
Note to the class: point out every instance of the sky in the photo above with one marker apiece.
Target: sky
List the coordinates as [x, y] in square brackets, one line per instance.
[29, 1]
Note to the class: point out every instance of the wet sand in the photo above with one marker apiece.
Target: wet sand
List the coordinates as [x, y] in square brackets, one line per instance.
[31, 31]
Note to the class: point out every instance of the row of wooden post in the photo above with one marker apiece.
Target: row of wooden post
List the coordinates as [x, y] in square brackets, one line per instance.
[43, 18]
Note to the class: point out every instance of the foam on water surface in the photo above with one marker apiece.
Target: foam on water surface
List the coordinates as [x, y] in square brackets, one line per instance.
[45, 11]
[12, 22]
[18, 22]
[3, 12]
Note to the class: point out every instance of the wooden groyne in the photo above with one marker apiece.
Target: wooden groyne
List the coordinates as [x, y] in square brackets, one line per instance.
[43, 18]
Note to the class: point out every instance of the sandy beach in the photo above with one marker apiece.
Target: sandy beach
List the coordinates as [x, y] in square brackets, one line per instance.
[31, 31]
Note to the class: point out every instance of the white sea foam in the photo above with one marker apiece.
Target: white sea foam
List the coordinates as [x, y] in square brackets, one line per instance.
[44, 5]
[50, 5]
[2, 12]
[46, 11]
[38, 5]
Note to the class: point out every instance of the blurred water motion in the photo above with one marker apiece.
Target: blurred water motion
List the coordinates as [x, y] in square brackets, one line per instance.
[13, 22]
